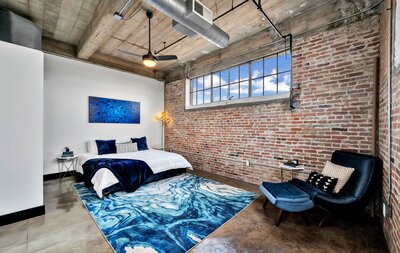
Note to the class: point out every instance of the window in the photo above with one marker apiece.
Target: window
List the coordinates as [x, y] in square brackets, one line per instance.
[258, 80]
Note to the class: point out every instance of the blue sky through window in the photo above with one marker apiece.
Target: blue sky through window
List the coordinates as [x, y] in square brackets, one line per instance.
[266, 76]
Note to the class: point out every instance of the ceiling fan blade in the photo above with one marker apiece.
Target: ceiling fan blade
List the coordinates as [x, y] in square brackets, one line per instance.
[166, 57]
[130, 53]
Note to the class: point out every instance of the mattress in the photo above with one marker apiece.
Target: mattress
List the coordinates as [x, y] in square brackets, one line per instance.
[158, 161]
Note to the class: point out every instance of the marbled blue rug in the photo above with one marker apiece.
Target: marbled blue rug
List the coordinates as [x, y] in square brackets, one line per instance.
[171, 215]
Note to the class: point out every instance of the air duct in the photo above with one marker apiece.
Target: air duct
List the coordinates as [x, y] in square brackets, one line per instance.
[178, 10]
[18, 30]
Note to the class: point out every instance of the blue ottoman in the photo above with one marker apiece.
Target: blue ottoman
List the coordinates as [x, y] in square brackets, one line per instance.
[286, 197]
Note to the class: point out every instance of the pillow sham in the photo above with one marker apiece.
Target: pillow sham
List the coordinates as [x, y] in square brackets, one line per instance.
[141, 143]
[106, 147]
[126, 147]
[340, 172]
[324, 183]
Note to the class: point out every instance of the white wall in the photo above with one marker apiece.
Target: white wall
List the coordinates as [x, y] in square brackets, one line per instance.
[67, 87]
[21, 128]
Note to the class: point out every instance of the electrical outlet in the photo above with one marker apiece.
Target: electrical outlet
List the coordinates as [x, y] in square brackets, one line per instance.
[387, 210]
[247, 163]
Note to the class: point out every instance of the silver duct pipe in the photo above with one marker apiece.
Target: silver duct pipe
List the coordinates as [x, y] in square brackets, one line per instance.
[177, 10]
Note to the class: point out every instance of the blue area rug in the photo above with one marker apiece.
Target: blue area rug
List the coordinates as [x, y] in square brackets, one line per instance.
[171, 215]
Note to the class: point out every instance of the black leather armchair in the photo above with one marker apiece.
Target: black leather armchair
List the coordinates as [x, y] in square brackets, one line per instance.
[356, 192]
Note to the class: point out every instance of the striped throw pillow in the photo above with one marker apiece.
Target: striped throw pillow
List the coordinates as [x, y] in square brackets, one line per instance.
[340, 172]
[126, 147]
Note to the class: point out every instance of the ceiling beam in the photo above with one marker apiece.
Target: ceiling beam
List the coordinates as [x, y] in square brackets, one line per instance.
[129, 66]
[102, 25]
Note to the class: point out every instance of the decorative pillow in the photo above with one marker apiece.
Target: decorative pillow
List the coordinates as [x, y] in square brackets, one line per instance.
[141, 143]
[91, 147]
[340, 172]
[324, 183]
[126, 147]
[106, 147]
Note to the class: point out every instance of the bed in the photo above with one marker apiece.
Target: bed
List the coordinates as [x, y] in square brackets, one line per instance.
[163, 164]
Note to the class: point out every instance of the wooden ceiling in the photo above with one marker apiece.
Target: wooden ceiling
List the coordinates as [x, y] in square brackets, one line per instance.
[88, 26]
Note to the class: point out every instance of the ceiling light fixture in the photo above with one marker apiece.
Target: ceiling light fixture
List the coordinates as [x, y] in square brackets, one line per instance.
[118, 14]
[149, 60]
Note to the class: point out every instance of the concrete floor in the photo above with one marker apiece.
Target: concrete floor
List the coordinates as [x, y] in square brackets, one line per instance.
[67, 227]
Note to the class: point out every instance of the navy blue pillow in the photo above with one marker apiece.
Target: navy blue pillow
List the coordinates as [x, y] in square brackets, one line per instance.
[141, 143]
[106, 147]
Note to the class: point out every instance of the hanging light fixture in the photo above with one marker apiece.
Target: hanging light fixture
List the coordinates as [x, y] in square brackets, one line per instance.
[149, 60]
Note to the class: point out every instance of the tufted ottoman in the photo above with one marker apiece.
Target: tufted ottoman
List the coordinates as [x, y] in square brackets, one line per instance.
[286, 197]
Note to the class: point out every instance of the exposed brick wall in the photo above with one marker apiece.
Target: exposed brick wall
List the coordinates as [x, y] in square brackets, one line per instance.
[391, 225]
[335, 73]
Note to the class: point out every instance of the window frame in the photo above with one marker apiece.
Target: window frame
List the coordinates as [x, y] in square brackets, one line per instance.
[249, 99]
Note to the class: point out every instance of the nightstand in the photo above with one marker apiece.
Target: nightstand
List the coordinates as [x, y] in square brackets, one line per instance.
[66, 165]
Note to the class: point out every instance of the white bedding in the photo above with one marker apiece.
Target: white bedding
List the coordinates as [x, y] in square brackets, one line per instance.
[157, 160]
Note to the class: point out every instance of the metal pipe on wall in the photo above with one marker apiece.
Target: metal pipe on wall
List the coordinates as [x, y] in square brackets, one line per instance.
[389, 101]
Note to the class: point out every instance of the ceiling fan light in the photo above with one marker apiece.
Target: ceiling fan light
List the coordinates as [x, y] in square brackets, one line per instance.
[149, 61]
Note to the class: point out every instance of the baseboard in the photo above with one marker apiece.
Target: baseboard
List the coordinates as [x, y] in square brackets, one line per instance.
[21, 215]
[55, 176]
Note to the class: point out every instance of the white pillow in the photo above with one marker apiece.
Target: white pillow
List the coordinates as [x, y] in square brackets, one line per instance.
[126, 147]
[340, 172]
[91, 147]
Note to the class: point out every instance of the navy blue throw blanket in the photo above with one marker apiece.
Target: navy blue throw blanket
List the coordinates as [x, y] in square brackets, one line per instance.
[130, 173]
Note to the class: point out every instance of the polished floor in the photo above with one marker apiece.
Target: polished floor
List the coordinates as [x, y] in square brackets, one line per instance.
[67, 227]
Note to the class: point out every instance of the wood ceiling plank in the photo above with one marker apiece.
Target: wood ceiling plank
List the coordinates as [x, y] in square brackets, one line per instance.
[51, 12]
[85, 14]
[98, 30]
[67, 18]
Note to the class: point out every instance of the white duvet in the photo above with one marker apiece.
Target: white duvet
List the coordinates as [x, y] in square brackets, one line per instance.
[158, 161]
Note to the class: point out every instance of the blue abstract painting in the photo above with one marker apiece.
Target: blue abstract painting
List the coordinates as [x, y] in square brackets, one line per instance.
[170, 215]
[107, 110]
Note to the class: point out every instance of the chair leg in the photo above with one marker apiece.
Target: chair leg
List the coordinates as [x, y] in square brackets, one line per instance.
[325, 219]
[305, 219]
[279, 217]
[265, 203]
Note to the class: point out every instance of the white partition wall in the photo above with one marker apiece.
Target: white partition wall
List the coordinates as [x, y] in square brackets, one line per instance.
[21, 128]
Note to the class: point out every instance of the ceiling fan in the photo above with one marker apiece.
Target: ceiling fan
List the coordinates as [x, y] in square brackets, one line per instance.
[150, 60]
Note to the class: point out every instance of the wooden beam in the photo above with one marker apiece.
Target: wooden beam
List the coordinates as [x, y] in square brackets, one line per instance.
[113, 62]
[58, 48]
[69, 51]
[102, 25]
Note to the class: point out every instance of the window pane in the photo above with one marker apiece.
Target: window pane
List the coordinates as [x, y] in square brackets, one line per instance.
[233, 91]
[244, 72]
[270, 85]
[200, 97]
[257, 69]
[216, 94]
[224, 77]
[284, 62]
[207, 81]
[257, 87]
[244, 89]
[207, 96]
[200, 85]
[270, 65]
[224, 92]
[193, 85]
[215, 80]
[193, 98]
[234, 74]
[284, 82]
